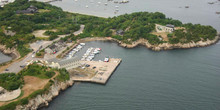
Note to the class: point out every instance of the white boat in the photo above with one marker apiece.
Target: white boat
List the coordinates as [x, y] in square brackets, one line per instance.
[106, 59]
[82, 44]
[87, 6]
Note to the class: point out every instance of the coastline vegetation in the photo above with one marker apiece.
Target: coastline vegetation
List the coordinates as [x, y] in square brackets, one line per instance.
[11, 81]
[23, 101]
[39, 71]
[35, 70]
[135, 26]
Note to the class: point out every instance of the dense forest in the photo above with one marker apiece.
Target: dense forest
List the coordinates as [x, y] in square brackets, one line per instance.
[136, 25]
[48, 17]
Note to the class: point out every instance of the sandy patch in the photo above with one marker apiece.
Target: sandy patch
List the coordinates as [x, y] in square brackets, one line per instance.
[162, 34]
[40, 33]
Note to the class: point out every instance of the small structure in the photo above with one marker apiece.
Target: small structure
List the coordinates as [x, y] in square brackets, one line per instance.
[168, 28]
[65, 63]
[120, 32]
[32, 9]
[53, 47]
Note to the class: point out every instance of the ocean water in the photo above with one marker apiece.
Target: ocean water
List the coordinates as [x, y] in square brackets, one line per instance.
[199, 11]
[181, 79]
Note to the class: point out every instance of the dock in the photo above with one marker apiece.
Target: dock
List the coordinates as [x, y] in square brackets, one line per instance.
[99, 71]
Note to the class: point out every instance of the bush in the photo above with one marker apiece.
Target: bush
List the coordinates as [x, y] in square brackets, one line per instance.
[63, 76]
[11, 81]
[169, 35]
[38, 71]
[52, 37]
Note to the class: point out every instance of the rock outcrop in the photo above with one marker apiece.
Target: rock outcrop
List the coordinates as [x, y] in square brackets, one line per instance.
[167, 46]
[44, 99]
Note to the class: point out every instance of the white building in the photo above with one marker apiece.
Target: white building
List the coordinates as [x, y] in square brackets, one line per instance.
[168, 28]
[65, 63]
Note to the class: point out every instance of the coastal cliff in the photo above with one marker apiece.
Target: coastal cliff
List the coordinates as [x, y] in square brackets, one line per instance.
[10, 51]
[168, 46]
[163, 46]
[44, 99]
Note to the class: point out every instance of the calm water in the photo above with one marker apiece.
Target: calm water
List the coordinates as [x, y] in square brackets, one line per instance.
[199, 11]
[4, 58]
[146, 80]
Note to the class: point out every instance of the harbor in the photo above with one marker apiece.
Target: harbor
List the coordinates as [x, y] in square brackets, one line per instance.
[91, 69]
[95, 71]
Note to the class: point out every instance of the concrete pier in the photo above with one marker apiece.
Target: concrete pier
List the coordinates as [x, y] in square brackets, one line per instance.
[101, 71]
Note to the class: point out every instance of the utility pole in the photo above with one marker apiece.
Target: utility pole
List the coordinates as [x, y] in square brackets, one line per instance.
[75, 19]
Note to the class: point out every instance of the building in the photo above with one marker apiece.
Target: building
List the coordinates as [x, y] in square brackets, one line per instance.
[31, 10]
[120, 32]
[168, 28]
[65, 63]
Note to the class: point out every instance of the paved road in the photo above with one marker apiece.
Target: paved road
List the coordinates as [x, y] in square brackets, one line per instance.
[15, 67]
[80, 30]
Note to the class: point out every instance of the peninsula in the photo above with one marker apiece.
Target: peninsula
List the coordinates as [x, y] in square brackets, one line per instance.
[43, 40]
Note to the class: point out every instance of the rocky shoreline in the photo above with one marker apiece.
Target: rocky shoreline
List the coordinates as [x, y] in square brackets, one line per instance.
[44, 99]
[160, 47]
[144, 42]
[12, 52]
[167, 46]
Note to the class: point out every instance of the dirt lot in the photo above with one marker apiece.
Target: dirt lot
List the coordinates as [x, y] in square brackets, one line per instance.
[162, 34]
[40, 33]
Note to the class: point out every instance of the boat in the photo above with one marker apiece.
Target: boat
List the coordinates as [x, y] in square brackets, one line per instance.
[106, 59]
[82, 44]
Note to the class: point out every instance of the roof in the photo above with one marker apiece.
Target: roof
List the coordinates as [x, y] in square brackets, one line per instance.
[53, 60]
[170, 25]
[31, 9]
[67, 61]
[52, 46]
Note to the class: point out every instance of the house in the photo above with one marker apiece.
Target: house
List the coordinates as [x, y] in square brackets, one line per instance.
[120, 32]
[168, 28]
[32, 9]
[53, 47]
[65, 63]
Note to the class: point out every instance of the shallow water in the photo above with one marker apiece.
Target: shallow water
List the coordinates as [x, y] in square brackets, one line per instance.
[4, 58]
[179, 79]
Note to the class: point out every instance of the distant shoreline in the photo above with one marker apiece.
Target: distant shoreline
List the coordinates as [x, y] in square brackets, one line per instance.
[144, 42]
